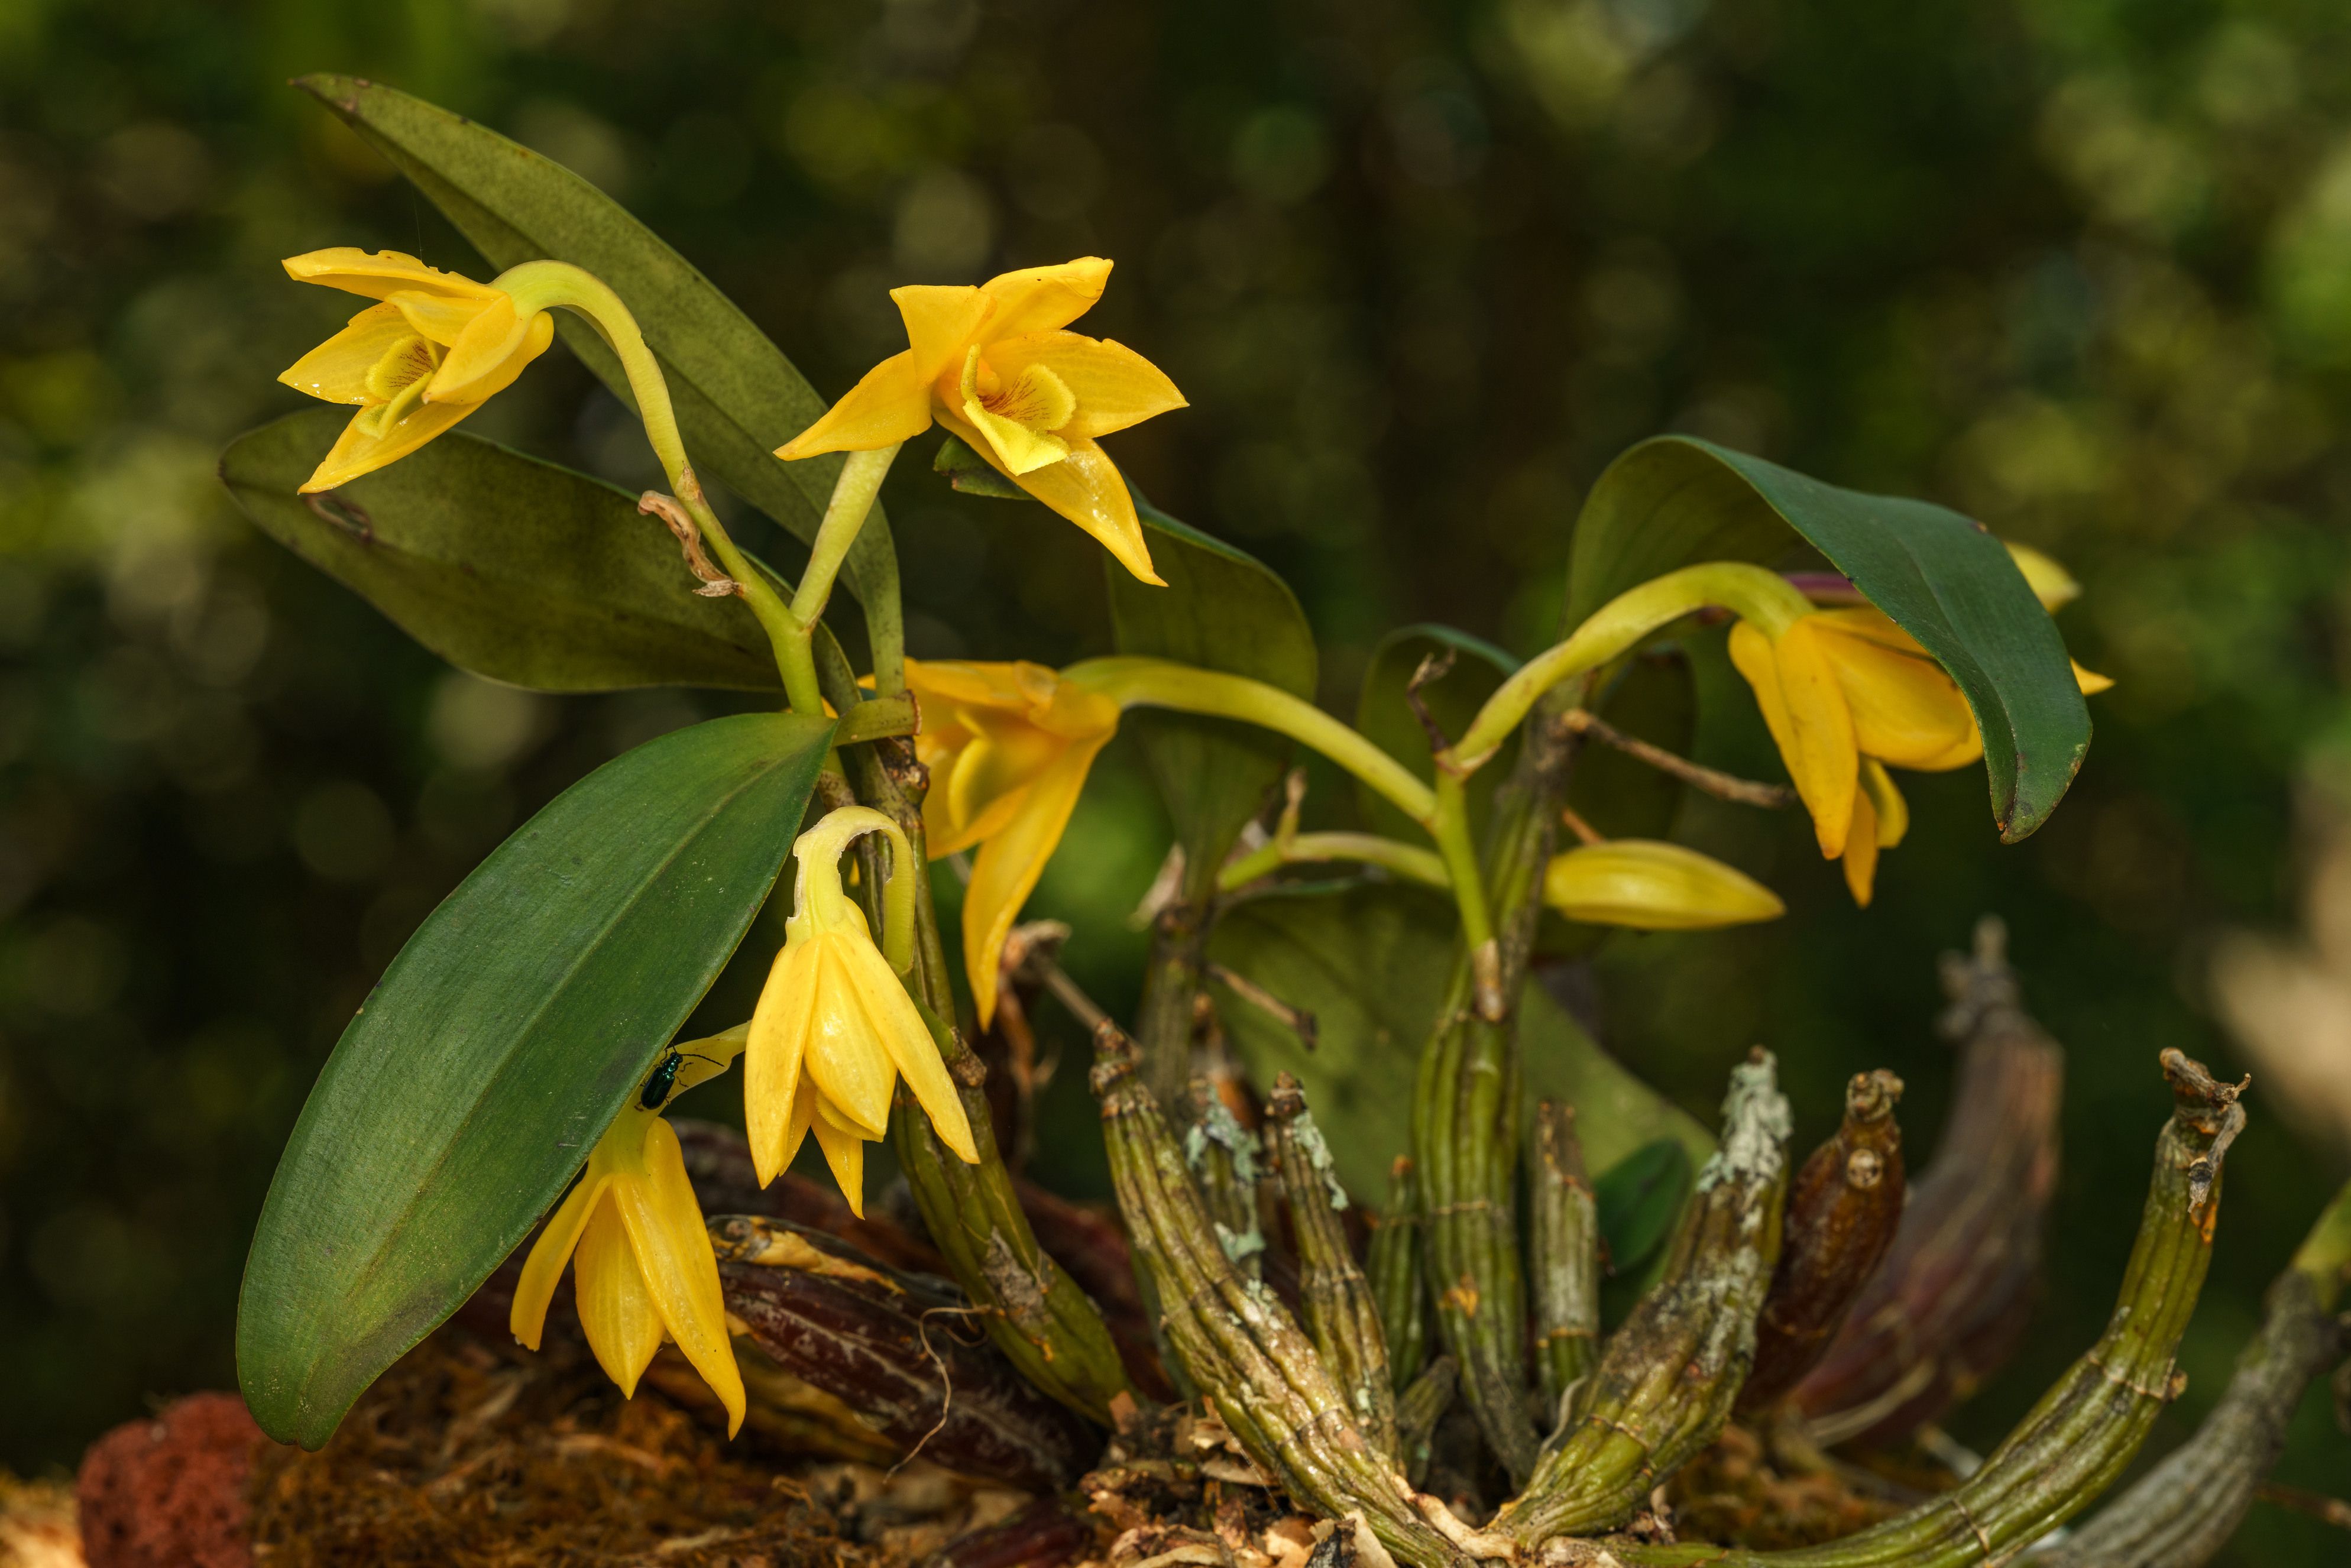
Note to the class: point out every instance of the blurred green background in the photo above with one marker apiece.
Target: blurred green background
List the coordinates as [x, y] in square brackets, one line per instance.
[2081, 268]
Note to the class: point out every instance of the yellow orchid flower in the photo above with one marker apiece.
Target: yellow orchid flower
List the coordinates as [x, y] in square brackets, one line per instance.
[1008, 745]
[437, 349]
[835, 1029]
[644, 1266]
[995, 367]
[1650, 885]
[1848, 694]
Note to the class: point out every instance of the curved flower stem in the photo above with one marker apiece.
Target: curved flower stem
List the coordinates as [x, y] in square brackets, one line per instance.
[844, 517]
[818, 852]
[1749, 591]
[545, 285]
[1409, 862]
[1161, 683]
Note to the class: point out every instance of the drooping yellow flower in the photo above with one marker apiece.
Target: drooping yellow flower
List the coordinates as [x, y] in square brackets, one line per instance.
[1650, 885]
[643, 1268]
[835, 1029]
[995, 367]
[1842, 700]
[437, 349]
[1008, 747]
[1848, 694]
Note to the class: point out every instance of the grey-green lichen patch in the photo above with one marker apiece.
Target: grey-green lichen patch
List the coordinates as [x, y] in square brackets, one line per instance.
[1219, 1125]
[1239, 1244]
[1755, 1125]
[1318, 1154]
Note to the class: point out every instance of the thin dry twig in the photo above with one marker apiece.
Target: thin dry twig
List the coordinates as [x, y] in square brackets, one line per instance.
[1722, 785]
[2318, 1505]
[1298, 1020]
[715, 584]
[1584, 830]
[1432, 668]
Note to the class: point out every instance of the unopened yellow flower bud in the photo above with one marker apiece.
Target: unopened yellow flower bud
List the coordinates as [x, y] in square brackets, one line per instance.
[1654, 886]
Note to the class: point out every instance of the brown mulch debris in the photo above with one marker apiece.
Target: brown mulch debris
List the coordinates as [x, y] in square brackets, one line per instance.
[461, 1457]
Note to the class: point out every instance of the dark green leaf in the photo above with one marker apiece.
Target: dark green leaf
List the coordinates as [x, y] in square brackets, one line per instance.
[504, 565]
[738, 398]
[498, 1045]
[1370, 961]
[1676, 500]
[1386, 718]
[1221, 610]
[973, 474]
[1638, 1197]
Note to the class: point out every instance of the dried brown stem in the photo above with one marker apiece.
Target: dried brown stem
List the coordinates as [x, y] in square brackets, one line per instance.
[1954, 1293]
[1843, 1209]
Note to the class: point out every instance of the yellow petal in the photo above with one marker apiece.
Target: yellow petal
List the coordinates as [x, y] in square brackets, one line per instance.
[1009, 863]
[1113, 386]
[625, 1327]
[1886, 803]
[544, 1267]
[1014, 685]
[2090, 680]
[356, 452]
[490, 353]
[1796, 688]
[845, 1153]
[1042, 298]
[338, 369]
[378, 275]
[2051, 583]
[1654, 886]
[845, 1058]
[899, 1027]
[680, 1272]
[804, 1103]
[982, 786]
[1861, 848]
[941, 323]
[444, 318]
[1906, 709]
[1085, 487]
[890, 405]
[772, 1058]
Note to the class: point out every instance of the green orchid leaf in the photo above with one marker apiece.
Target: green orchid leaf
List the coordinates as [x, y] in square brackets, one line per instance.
[1675, 500]
[505, 566]
[1221, 610]
[1637, 1199]
[969, 473]
[738, 397]
[1385, 716]
[1369, 961]
[512, 1028]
